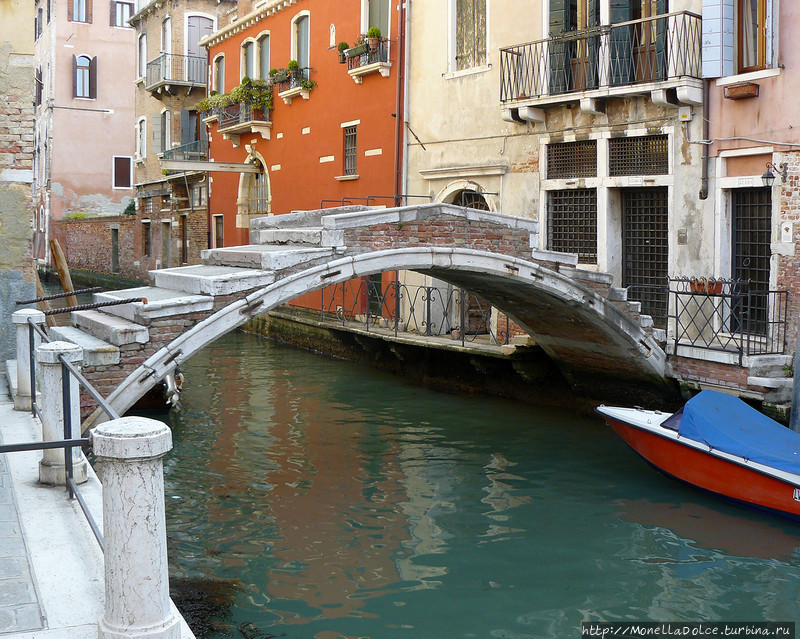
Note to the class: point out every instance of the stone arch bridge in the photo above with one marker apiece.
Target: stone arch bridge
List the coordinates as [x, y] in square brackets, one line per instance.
[587, 327]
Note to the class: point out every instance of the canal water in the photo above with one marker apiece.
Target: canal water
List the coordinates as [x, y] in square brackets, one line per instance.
[326, 500]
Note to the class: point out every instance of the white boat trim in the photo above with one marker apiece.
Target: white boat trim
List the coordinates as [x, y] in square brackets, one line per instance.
[651, 420]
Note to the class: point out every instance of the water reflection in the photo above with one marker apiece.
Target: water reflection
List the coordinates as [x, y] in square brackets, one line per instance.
[350, 504]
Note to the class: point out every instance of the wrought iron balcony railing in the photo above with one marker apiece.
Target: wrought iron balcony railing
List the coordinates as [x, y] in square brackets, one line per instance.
[727, 315]
[243, 113]
[197, 150]
[362, 55]
[649, 50]
[297, 79]
[170, 68]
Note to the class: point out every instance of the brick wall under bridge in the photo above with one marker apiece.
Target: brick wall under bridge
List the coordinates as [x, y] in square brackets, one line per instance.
[599, 340]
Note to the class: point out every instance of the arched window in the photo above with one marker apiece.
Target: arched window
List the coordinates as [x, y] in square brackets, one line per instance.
[263, 57]
[258, 202]
[218, 82]
[248, 67]
[85, 77]
[300, 41]
[166, 35]
[142, 68]
[471, 200]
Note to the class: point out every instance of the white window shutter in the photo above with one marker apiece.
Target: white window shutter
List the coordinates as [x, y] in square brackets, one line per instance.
[718, 38]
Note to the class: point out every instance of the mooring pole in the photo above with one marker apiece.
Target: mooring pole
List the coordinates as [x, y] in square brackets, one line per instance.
[794, 416]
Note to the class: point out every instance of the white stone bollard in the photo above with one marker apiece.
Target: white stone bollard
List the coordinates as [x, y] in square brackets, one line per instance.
[22, 400]
[137, 602]
[51, 468]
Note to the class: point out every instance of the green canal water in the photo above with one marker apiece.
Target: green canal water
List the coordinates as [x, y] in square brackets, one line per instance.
[326, 500]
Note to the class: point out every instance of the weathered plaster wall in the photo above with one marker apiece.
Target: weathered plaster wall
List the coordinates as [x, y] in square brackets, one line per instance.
[16, 162]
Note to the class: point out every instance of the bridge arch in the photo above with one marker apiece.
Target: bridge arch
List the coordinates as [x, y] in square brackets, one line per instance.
[587, 336]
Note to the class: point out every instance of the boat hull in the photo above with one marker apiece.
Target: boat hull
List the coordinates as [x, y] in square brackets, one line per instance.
[727, 479]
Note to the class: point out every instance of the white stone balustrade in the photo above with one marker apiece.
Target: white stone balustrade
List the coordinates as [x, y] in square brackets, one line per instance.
[137, 603]
[22, 400]
[51, 406]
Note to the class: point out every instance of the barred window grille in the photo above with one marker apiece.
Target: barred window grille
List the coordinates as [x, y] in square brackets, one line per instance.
[572, 223]
[259, 194]
[572, 160]
[642, 155]
[350, 150]
[146, 243]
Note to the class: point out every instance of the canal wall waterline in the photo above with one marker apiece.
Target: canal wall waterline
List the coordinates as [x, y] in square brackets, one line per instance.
[522, 373]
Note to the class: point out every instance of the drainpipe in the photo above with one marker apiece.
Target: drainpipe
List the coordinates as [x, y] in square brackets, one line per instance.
[406, 89]
[705, 161]
[399, 111]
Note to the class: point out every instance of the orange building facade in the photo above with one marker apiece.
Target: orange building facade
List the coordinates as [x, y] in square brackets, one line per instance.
[333, 133]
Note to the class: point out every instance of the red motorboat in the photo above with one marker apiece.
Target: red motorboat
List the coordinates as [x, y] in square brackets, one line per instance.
[721, 445]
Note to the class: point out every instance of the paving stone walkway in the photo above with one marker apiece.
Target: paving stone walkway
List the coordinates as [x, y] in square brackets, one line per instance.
[20, 610]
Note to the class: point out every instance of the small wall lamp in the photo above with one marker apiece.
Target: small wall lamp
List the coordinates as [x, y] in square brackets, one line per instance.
[768, 178]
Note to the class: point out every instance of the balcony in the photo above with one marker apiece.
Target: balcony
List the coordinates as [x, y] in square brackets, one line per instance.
[297, 84]
[660, 56]
[362, 60]
[240, 118]
[168, 70]
[197, 151]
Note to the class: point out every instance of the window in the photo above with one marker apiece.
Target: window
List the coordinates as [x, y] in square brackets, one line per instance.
[84, 77]
[572, 223]
[248, 64]
[123, 166]
[114, 250]
[166, 245]
[470, 34]
[161, 132]
[752, 35]
[147, 248]
[166, 35]
[300, 42]
[377, 14]
[79, 10]
[219, 74]
[263, 57]
[121, 12]
[219, 232]
[350, 150]
[184, 229]
[39, 23]
[141, 138]
[142, 69]
[199, 197]
[37, 100]
[572, 160]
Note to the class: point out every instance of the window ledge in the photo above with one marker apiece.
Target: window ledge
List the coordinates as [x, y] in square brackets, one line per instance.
[451, 75]
[745, 77]
[384, 68]
[288, 95]
[346, 178]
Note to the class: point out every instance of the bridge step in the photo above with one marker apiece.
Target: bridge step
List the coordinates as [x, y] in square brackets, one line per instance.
[96, 352]
[312, 235]
[210, 280]
[161, 302]
[108, 328]
[771, 365]
[263, 256]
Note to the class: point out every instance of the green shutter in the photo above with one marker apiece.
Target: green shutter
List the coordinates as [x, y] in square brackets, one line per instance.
[620, 43]
[557, 53]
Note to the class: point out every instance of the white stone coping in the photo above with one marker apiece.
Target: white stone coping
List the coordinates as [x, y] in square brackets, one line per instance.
[132, 438]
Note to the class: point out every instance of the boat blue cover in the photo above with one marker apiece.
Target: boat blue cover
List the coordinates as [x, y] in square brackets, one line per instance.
[726, 423]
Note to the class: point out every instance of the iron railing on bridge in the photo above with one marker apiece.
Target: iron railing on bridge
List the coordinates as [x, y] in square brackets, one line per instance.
[639, 51]
[428, 311]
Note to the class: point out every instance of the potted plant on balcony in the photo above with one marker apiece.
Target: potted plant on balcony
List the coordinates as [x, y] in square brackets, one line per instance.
[279, 76]
[341, 48]
[294, 68]
[373, 38]
[706, 285]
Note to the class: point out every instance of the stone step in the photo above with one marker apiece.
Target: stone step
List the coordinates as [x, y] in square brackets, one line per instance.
[257, 256]
[311, 235]
[161, 302]
[96, 352]
[600, 283]
[784, 383]
[210, 280]
[109, 328]
[770, 365]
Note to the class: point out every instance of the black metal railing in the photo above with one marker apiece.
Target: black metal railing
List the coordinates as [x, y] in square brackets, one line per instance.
[241, 113]
[363, 55]
[727, 315]
[401, 199]
[648, 50]
[428, 311]
[171, 68]
[197, 150]
[297, 79]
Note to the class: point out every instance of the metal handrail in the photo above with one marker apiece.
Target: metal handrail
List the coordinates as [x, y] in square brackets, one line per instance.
[652, 49]
[55, 296]
[197, 150]
[428, 311]
[397, 199]
[68, 443]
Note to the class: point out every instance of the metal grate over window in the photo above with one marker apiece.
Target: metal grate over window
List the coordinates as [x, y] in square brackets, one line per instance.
[645, 249]
[350, 150]
[642, 155]
[572, 160]
[752, 241]
[572, 223]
